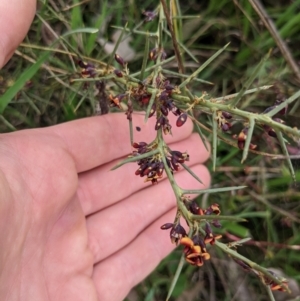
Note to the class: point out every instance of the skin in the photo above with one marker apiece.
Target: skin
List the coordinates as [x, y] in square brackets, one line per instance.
[71, 229]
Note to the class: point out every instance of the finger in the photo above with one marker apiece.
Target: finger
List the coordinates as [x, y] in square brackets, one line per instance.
[134, 262]
[125, 178]
[15, 19]
[114, 227]
[98, 140]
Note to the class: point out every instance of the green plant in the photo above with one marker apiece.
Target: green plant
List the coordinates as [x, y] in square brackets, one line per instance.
[150, 89]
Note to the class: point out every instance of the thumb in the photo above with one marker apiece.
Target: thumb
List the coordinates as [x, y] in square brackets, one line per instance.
[15, 19]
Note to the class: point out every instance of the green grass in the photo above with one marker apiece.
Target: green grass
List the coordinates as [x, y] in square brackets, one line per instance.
[34, 94]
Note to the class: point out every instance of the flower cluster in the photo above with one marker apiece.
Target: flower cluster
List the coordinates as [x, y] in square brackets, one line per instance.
[165, 104]
[273, 285]
[266, 280]
[241, 138]
[149, 15]
[223, 120]
[270, 130]
[177, 232]
[88, 70]
[225, 124]
[152, 167]
[195, 248]
[157, 52]
[193, 207]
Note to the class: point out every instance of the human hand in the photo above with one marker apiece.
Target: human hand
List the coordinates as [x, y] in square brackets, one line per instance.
[15, 19]
[71, 229]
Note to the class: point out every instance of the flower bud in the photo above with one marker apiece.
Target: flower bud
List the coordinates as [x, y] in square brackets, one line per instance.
[119, 60]
[181, 119]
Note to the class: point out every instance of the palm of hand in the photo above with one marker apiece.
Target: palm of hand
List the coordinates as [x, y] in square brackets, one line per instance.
[72, 230]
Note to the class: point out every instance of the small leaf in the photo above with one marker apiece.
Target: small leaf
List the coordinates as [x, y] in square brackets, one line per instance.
[81, 30]
[203, 66]
[249, 81]
[150, 104]
[212, 190]
[286, 153]
[248, 139]
[250, 91]
[236, 229]
[145, 58]
[135, 158]
[219, 217]
[191, 172]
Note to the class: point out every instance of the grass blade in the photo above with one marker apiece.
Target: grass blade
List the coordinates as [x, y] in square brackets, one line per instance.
[249, 81]
[31, 103]
[90, 44]
[80, 30]
[7, 123]
[21, 81]
[31, 71]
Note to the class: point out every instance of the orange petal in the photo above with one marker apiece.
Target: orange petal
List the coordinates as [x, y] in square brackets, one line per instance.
[190, 261]
[196, 249]
[186, 241]
[206, 256]
[192, 255]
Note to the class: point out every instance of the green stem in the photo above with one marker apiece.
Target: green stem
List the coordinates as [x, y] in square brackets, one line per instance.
[217, 217]
[252, 264]
[211, 104]
[270, 293]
